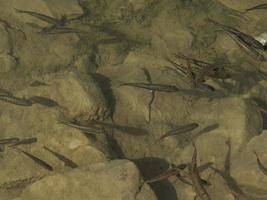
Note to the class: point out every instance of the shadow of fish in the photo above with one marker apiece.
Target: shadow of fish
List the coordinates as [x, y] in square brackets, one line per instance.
[67, 161]
[25, 141]
[43, 17]
[43, 101]
[9, 140]
[37, 160]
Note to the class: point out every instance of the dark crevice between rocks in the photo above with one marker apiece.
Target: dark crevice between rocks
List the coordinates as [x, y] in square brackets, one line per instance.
[105, 84]
[262, 104]
[151, 167]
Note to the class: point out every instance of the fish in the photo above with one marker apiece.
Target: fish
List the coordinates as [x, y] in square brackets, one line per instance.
[180, 130]
[48, 19]
[25, 141]
[248, 49]
[204, 87]
[198, 187]
[178, 67]
[257, 7]
[249, 40]
[153, 87]
[37, 160]
[209, 69]
[9, 140]
[16, 100]
[62, 30]
[43, 101]
[86, 129]
[67, 161]
[164, 175]
[260, 165]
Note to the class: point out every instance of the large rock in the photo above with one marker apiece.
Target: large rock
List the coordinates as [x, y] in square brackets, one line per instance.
[116, 180]
[78, 94]
[47, 53]
[246, 170]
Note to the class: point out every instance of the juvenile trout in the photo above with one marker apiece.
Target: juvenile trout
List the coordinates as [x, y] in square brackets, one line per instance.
[198, 187]
[153, 87]
[180, 130]
[67, 162]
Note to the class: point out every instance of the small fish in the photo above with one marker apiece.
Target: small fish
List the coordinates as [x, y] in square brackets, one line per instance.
[43, 101]
[204, 87]
[62, 30]
[9, 140]
[38, 160]
[86, 129]
[260, 165]
[180, 130]
[153, 87]
[177, 66]
[16, 100]
[257, 7]
[164, 175]
[248, 49]
[67, 162]
[249, 40]
[25, 141]
[198, 187]
[48, 19]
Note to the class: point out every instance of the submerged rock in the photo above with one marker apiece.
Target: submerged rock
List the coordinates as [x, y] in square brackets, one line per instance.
[116, 180]
[77, 93]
